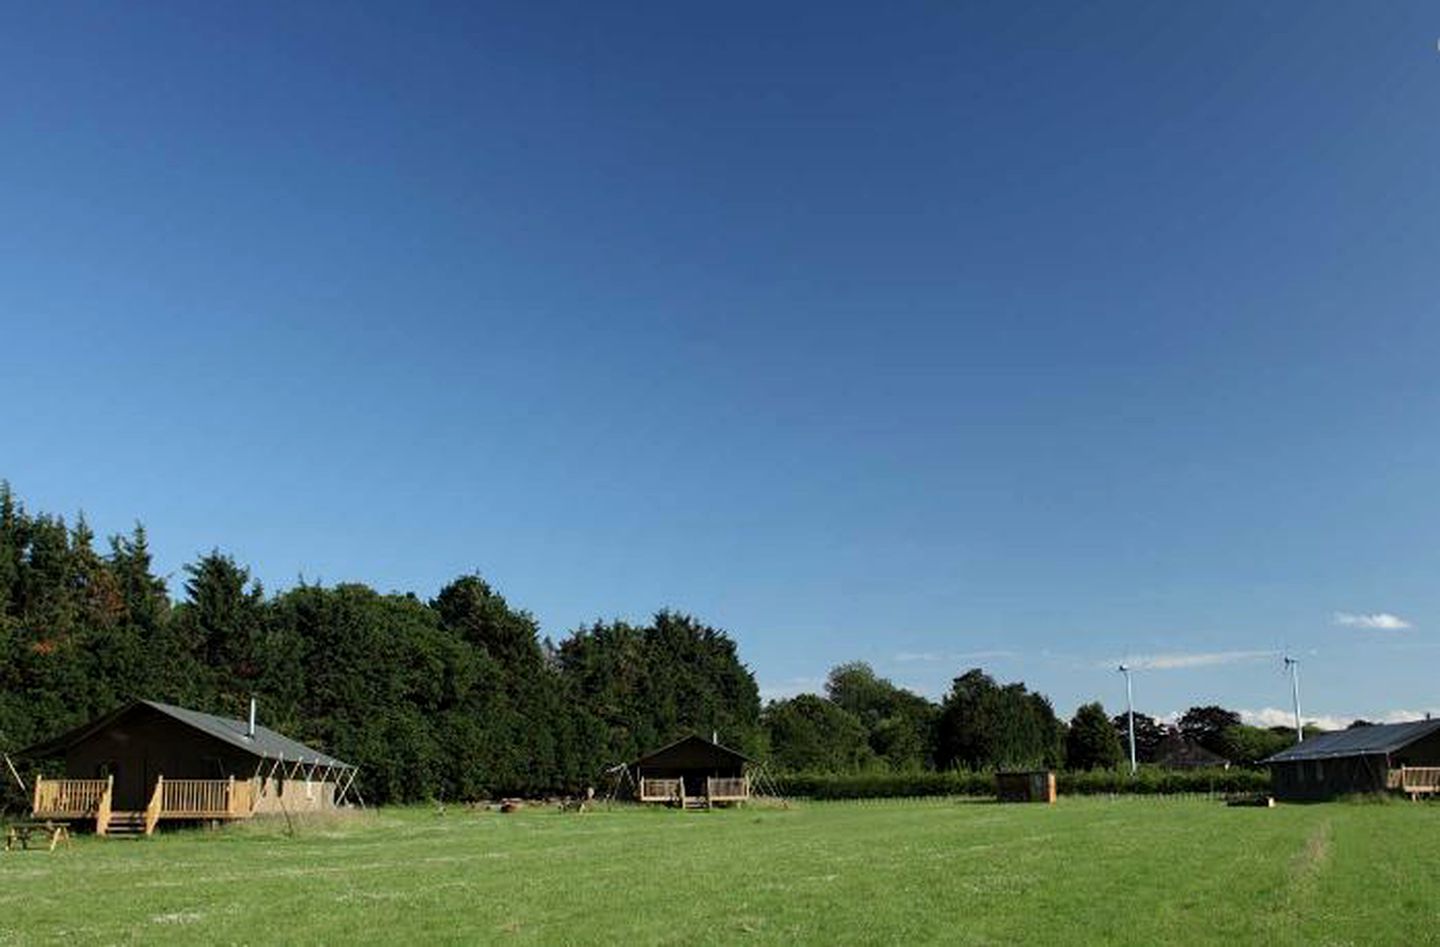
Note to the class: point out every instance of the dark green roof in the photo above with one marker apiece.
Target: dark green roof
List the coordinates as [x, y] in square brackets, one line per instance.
[265, 744]
[694, 741]
[1375, 740]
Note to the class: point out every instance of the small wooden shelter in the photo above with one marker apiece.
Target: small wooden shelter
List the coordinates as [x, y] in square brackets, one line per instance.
[692, 773]
[149, 761]
[1025, 786]
[1403, 757]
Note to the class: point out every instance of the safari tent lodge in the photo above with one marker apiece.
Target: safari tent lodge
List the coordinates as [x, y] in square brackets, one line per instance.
[1396, 757]
[147, 762]
[692, 773]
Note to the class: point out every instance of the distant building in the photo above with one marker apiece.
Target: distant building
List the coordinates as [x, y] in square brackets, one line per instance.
[149, 761]
[1176, 752]
[692, 773]
[1394, 756]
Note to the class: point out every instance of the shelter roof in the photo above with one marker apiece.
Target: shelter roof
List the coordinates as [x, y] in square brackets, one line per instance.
[1358, 741]
[265, 744]
[689, 742]
[1178, 751]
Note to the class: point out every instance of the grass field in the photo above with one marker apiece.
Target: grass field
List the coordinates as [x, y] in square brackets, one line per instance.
[1134, 871]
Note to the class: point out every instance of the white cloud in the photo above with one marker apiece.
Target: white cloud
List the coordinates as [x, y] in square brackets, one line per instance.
[790, 687]
[1187, 659]
[918, 657]
[1375, 621]
[1278, 717]
[937, 657]
[1401, 716]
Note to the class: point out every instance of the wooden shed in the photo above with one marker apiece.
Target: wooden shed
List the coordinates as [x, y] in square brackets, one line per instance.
[692, 772]
[1402, 757]
[1025, 786]
[149, 761]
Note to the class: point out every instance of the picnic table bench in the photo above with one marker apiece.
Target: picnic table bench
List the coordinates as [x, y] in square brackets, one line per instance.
[22, 832]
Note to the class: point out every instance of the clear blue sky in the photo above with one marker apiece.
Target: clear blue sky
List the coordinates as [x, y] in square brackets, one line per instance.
[930, 334]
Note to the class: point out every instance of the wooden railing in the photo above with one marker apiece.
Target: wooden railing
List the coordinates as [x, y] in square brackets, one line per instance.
[170, 799]
[196, 798]
[659, 790]
[724, 788]
[1418, 779]
[69, 798]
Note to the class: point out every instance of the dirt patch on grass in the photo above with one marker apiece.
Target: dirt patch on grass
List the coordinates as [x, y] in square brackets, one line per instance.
[1313, 856]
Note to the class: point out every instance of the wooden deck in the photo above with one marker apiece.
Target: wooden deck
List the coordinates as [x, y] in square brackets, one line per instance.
[171, 799]
[717, 790]
[1415, 780]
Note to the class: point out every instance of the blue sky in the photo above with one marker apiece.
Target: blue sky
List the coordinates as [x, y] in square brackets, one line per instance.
[1026, 336]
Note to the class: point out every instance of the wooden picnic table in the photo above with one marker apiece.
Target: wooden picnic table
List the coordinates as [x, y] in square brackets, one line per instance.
[22, 832]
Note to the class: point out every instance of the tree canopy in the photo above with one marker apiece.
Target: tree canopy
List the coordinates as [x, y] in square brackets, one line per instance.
[985, 724]
[460, 696]
[1091, 742]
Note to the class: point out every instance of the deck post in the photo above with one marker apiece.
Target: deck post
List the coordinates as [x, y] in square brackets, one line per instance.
[35, 803]
[102, 812]
[230, 797]
[152, 811]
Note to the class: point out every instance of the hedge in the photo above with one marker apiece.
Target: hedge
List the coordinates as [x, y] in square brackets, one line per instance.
[1148, 781]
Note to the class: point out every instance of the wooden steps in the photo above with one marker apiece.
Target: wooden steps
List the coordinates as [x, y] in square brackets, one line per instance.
[126, 825]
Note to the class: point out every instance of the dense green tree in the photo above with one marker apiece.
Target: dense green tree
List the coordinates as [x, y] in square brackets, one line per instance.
[1248, 745]
[1207, 725]
[146, 602]
[899, 723]
[809, 732]
[1091, 742]
[12, 545]
[983, 724]
[219, 629]
[634, 689]
[1149, 734]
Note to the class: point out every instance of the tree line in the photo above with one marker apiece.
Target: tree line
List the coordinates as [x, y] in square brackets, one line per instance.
[453, 697]
[865, 723]
[460, 696]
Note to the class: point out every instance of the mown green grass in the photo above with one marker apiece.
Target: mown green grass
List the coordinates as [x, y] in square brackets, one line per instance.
[1132, 871]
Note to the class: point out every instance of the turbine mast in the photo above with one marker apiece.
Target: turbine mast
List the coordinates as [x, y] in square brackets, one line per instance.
[1293, 666]
[1130, 714]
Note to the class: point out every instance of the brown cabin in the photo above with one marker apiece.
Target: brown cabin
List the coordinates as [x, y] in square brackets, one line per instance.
[147, 761]
[692, 773]
[1403, 757]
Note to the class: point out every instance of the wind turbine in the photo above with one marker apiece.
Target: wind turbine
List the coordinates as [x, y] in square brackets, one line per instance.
[1293, 666]
[1129, 713]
